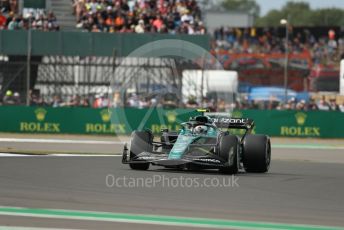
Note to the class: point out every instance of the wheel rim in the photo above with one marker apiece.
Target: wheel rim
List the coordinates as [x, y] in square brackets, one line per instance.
[268, 155]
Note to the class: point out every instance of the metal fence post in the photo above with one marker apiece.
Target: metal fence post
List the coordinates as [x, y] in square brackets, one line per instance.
[28, 64]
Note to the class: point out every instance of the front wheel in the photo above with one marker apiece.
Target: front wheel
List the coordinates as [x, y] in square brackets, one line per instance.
[141, 141]
[139, 166]
[228, 151]
[257, 153]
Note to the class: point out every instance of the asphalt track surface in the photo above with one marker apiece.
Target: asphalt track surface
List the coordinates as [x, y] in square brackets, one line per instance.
[297, 190]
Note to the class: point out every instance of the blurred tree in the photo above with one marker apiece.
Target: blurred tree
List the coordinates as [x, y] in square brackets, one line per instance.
[272, 18]
[302, 15]
[247, 6]
[328, 17]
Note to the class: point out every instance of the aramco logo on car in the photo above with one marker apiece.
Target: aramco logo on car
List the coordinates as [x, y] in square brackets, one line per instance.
[299, 129]
[105, 127]
[40, 125]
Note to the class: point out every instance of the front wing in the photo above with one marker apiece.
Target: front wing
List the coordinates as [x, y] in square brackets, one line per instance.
[187, 161]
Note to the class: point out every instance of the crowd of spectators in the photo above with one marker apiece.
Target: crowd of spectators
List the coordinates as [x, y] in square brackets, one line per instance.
[313, 104]
[139, 16]
[12, 19]
[44, 22]
[325, 45]
[293, 104]
[140, 101]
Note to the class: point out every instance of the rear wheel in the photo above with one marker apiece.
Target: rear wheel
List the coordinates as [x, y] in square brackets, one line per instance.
[141, 141]
[257, 153]
[228, 151]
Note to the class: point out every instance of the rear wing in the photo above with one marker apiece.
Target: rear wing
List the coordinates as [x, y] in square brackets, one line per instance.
[238, 123]
[225, 121]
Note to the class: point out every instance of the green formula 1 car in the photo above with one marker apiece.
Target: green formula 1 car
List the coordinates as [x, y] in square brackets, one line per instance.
[207, 141]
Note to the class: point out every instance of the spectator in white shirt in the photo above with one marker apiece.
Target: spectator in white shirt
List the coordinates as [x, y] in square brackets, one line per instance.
[187, 17]
[140, 28]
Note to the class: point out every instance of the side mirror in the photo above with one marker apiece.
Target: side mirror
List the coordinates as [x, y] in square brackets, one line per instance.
[164, 130]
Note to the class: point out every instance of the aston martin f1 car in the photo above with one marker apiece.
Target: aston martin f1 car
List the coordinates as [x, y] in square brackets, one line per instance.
[204, 142]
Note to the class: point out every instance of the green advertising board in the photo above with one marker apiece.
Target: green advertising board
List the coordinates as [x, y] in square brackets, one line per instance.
[20, 119]
[71, 43]
[321, 124]
[36, 4]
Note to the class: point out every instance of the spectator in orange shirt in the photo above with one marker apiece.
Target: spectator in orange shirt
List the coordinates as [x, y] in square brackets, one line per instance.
[97, 103]
[119, 22]
[158, 22]
[110, 22]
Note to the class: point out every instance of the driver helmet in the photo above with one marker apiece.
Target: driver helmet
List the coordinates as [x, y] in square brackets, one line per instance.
[201, 129]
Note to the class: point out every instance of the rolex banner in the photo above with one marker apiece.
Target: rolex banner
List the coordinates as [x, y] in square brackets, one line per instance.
[20, 119]
[320, 124]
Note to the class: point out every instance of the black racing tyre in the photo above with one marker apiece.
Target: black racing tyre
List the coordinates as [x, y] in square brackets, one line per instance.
[139, 166]
[141, 141]
[256, 153]
[228, 151]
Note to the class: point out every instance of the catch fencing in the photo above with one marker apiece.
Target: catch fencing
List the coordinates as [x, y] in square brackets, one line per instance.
[69, 64]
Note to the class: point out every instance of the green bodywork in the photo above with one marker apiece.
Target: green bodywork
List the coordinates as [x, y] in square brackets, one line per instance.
[185, 138]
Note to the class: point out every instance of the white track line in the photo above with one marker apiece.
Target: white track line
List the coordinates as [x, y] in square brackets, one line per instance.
[30, 228]
[58, 155]
[58, 141]
[13, 155]
[84, 155]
